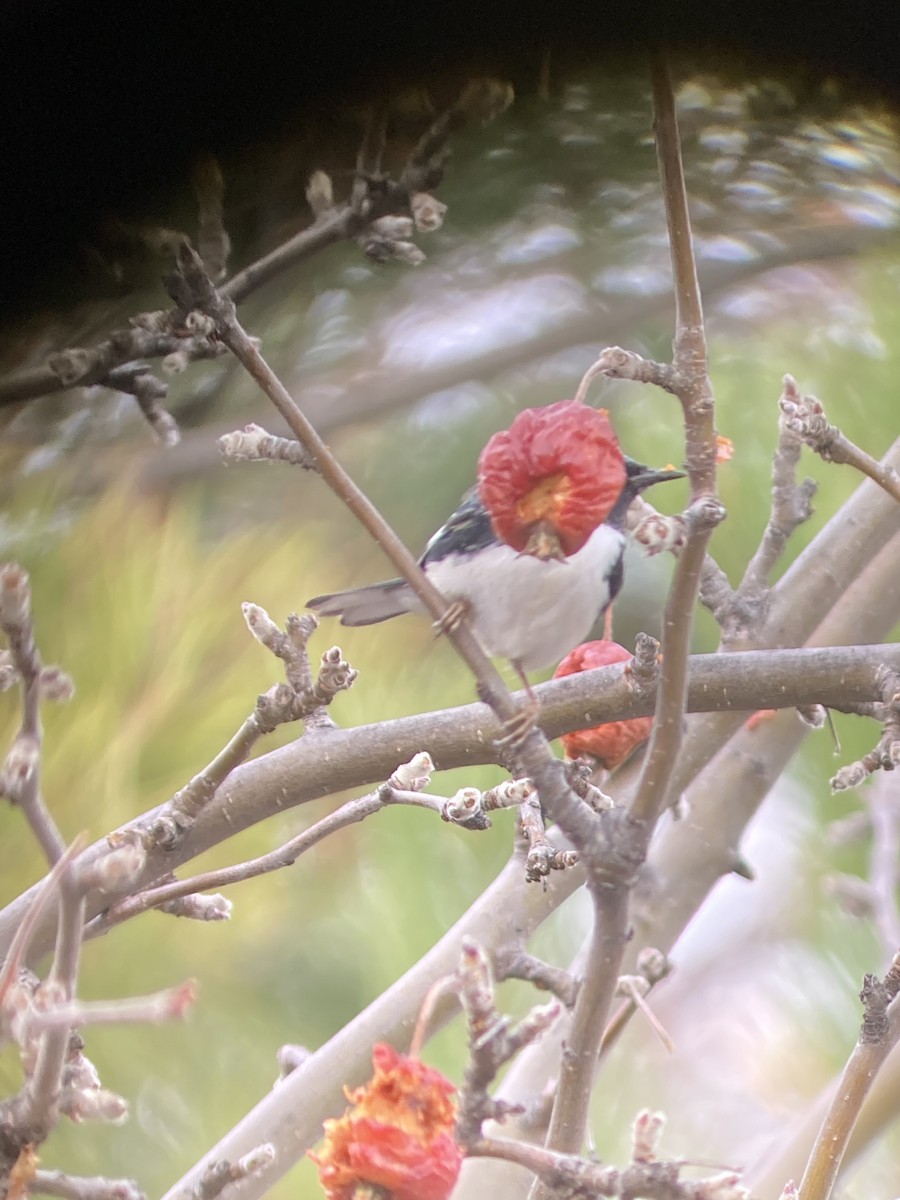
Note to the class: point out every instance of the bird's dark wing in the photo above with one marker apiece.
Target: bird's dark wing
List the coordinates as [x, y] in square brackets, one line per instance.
[469, 529]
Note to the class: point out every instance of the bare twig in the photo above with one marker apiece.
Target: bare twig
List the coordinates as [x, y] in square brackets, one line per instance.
[20, 775]
[806, 418]
[886, 755]
[36, 1108]
[213, 242]
[80, 1187]
[880, 1032]
[299, 699]
[161, 1006]
[716, 593]
[517, 964]
[608, 938]
[665, 739]
[883, 801]
[369, 158]
[254, 444]
[694, 391]
[284, 856]
[219, 1175]
[791, 506]
[635, 988]
[374, 197]
[47, 889]
[543, 857]
[647, 1175]
[492, 1042]
[653, 967]
[334, 223]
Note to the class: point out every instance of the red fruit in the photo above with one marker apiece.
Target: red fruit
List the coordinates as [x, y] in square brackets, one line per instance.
[551, 478]
[612, 742]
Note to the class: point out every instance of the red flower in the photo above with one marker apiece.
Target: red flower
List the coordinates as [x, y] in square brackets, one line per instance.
[551, 478]
[612, 742]
[396, 1137]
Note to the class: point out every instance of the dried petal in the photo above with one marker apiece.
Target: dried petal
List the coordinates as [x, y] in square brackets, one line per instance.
[554, 474]
[611, 742]
[397, 1135]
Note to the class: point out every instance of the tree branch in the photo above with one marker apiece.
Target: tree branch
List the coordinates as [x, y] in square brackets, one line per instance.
[460, 737]
[806, 418]
[880, 1033]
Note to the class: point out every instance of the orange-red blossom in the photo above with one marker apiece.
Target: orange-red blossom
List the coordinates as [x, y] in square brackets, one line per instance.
[551, 478]
[397, 1135]
[612, 742]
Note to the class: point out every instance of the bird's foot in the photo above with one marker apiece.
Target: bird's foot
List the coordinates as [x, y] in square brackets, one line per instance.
[452, 618]
[517, 728]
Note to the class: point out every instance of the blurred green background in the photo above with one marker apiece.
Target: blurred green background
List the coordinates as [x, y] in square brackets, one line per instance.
[140, 559]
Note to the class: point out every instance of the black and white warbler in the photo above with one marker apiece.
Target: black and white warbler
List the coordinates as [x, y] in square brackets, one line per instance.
[526, 609]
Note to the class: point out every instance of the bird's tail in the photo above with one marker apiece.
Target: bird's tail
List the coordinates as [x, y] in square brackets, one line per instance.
[366, 605]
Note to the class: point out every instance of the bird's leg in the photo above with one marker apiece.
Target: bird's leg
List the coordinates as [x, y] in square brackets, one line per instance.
[450, 621]
[607, 624]
[517, 728]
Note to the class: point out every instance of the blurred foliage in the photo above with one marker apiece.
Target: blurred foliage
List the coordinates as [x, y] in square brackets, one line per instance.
[138, 596]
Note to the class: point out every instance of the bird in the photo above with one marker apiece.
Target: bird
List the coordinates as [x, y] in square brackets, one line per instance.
[526, 609]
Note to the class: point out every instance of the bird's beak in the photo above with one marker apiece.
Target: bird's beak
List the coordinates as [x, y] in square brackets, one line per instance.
[648, 476]
[543, 543]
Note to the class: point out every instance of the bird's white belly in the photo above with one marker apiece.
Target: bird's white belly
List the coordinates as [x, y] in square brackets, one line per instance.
[530, 611]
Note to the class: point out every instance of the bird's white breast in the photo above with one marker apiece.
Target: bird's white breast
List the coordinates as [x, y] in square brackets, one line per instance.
[530, 611]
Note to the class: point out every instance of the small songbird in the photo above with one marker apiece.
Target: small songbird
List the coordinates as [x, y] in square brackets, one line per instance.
[524, 608]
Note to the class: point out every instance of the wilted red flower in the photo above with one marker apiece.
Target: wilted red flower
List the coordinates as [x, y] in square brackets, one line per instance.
[396, 1136]
[612, 742]
[551, 478]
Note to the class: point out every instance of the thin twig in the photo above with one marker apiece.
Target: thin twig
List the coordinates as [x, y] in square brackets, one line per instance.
[213, 242]
[82, 1187]
[492, 1042]
[299, 699]
[791, 506]
[716, 593]
[705, 511]
[284, 856]
[883, 801]
[18, 950]
[806, 417]
[517, 964]
[161, 1006]
[36, 1109]
[572, 1175]
[21, 774]
[880, 1033]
